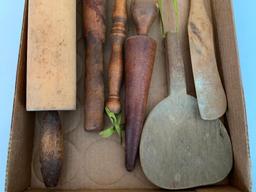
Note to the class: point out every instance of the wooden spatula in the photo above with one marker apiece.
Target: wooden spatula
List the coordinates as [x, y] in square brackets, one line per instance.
[178, 149]
[210, 93]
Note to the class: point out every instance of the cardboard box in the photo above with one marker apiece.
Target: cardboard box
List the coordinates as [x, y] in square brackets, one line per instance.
[93, 163]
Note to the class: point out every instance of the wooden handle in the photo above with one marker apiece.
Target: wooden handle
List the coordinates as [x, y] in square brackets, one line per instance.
[140, 54]
[94, 87]
[94, 31]
[175, 66]
[144, 13]
[51, 148]
[115, 69]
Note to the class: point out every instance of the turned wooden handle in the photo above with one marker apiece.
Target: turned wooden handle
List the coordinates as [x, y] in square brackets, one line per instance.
[51, 148]
[115, 69]
[144, 13]
[94, 32]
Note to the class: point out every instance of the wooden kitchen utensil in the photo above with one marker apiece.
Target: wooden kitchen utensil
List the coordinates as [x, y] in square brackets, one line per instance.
[51, 55]
[115, 70]
[178, 149]
[51, 76]
[140, 53]
[211, 97]
[94, 32]
[51, 148]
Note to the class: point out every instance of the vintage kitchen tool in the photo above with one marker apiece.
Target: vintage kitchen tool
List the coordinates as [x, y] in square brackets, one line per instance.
[139, 60]
[115, 69]
[51, 56]
[51, 148]
[94, 32]
[178, 149]
[51, 76]
[210, 93]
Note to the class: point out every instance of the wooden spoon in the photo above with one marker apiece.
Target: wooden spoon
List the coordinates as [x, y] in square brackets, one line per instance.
[209, 90]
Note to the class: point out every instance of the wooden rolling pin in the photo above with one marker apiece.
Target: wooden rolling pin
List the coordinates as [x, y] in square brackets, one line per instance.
[140, 53]
[115, 69]
[51, 76]
[94, 32]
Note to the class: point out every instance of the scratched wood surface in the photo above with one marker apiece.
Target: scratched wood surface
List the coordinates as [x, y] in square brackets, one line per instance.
[178, 149]
[51, 55]
[211, 96]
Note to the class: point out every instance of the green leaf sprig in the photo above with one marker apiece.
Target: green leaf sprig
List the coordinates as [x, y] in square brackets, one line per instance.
[116, 126]
[159, 5]
[176, 10]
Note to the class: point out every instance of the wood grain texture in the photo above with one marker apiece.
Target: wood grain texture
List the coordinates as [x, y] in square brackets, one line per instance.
[51, 148]
[144, 13]
[94, 32]
[209, 90]
[140, 52]
[115, 70]
[178, 149]
[139, 61]
[51, 55]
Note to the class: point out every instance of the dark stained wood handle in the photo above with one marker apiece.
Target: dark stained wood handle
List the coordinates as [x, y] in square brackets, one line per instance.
[140, 51]
[51, 148]
[94, 32]
[94, 87]
[140, 54]
[115, 69]
[144, 13]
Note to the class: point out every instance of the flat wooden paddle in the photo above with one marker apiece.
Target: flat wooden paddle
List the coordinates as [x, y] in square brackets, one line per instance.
[178, 149]
[209, 90]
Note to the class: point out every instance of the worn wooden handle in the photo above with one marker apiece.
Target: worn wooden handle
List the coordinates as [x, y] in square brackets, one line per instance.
[144, 13]
[94, 31]
[51, 148]
[115, 69]
[94, 87]
[140, 54]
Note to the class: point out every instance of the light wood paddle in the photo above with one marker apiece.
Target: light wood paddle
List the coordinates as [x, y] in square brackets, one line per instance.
[178, 148]
[209, 90]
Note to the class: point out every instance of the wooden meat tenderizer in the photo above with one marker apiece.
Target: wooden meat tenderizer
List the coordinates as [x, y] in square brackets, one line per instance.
[115, 70]
[94, 32]
[140, 53]
[51, 76]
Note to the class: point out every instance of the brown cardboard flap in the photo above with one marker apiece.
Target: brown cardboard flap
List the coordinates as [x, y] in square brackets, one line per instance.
[21, 138]
[236, 115]
[95, 163]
